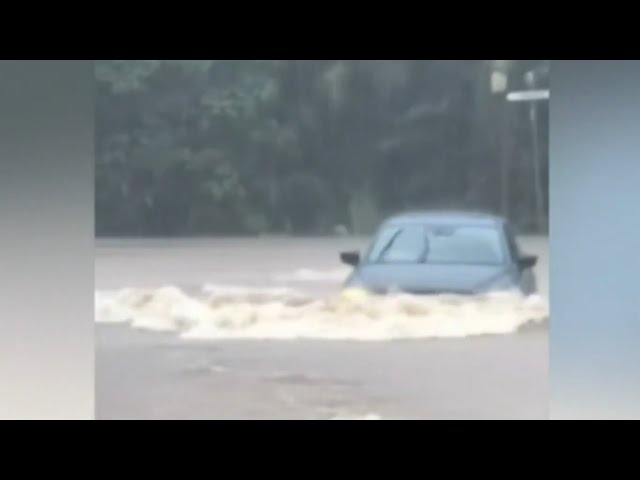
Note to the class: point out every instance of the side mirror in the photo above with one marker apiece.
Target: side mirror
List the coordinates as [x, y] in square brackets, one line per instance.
[527, 261]
[350, 258]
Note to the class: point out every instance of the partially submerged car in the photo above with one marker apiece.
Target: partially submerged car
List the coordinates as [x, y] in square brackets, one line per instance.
[445, 252]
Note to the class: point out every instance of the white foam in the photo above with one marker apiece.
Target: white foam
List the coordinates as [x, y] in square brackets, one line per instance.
[312, 275]
[244, 313]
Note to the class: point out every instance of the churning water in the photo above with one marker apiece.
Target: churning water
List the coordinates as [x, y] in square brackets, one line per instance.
[256, 298]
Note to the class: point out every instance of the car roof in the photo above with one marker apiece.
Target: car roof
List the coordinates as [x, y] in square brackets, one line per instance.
[445, 217]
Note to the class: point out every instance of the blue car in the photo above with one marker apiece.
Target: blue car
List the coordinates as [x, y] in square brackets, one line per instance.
[443, 252]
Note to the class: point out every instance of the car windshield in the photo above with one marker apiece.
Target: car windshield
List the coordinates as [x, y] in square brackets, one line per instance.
[438, 244]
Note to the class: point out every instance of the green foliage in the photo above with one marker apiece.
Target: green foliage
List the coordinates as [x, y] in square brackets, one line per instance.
[232, 146]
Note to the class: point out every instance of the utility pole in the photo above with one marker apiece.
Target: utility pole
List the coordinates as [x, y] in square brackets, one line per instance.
[499, 82]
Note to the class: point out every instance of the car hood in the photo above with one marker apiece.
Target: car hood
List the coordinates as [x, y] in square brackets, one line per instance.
[425, 278]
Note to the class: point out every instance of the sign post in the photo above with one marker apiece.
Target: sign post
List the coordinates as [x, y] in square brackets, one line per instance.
[533, 97]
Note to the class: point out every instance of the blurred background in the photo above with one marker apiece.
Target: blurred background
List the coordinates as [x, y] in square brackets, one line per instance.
[314, 147]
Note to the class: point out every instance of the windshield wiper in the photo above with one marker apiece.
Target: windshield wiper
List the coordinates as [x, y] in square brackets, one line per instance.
[387, 246]
[425, 252]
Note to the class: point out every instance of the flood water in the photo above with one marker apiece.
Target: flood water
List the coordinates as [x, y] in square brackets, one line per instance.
[257, 328]
[280, 289]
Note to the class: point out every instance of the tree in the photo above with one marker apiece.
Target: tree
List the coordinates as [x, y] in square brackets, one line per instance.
[221, 146]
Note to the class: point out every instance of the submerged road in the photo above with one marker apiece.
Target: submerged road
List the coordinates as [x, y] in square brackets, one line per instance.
[144, 375]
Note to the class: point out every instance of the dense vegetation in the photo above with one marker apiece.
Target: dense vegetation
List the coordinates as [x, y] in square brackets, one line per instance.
[233, 147]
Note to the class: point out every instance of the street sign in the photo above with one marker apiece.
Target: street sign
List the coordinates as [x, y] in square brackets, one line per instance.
[528, 95]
